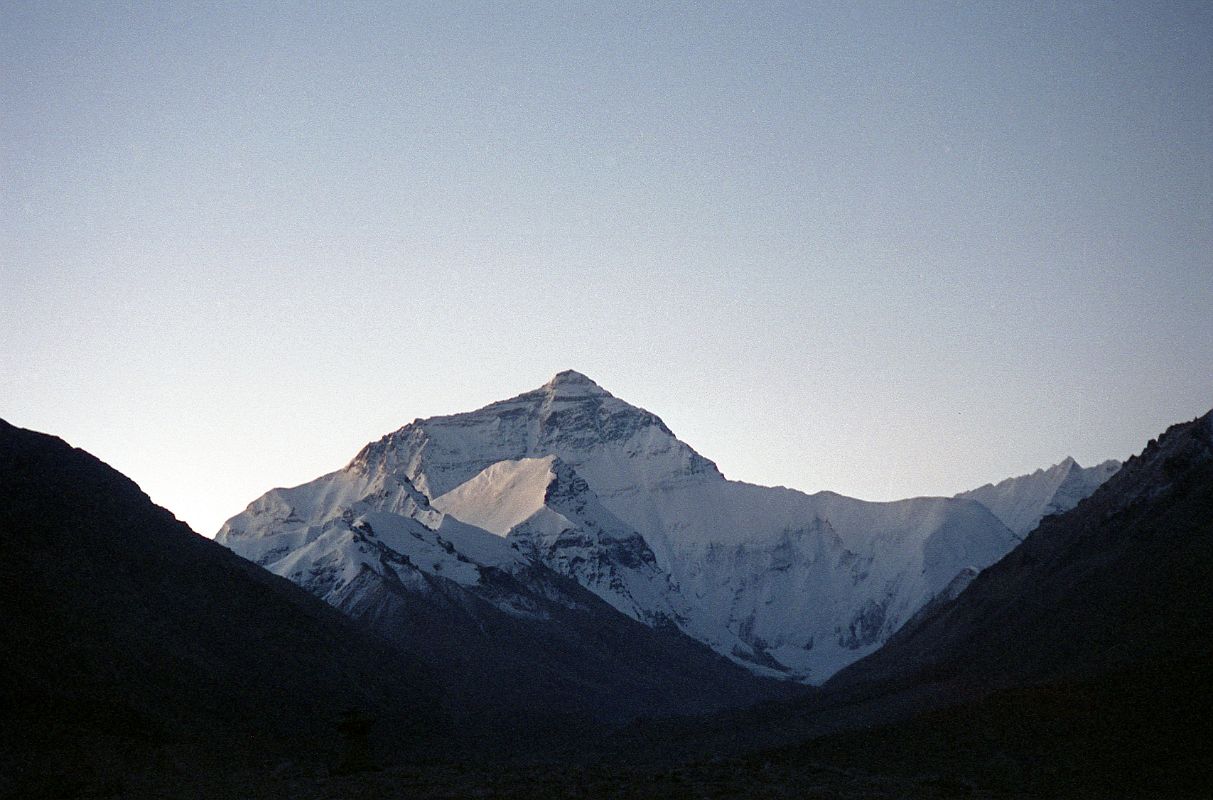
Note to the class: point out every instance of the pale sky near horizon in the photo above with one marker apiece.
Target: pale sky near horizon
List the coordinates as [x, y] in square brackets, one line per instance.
[882, 249]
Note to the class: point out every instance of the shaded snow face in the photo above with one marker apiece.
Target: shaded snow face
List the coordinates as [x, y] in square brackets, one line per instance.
[1022, 502]
[814, 582]
[600, 491]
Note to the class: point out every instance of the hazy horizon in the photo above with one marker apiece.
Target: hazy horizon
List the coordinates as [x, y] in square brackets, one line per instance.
[885, 250]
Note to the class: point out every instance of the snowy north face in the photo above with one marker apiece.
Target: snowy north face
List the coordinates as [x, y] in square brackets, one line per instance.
[568, 476]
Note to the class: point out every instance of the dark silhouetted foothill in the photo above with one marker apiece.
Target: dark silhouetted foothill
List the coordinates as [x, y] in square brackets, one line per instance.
[355, 729]
[133, 646]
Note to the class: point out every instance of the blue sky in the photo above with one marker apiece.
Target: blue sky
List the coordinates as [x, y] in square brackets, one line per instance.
[885, 249]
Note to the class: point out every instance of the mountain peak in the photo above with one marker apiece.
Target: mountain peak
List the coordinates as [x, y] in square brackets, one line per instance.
[1021, 502]
[1067, 464]
[572, 382]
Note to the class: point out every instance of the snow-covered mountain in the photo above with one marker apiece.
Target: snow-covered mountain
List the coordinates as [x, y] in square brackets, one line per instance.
[600, 491]
[508, 635]
[1022, 502]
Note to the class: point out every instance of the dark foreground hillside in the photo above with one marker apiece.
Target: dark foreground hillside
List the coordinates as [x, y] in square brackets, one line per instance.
[131, 645]
[1139, 734]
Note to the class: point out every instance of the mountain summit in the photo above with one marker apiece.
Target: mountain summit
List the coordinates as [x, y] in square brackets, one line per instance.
[573, 478]
[614, 445]
[571, 383]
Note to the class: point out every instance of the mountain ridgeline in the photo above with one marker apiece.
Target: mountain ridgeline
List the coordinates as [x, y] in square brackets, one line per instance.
[786, 584]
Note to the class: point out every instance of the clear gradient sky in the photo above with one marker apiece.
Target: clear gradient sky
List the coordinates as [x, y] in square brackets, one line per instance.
[887, 249]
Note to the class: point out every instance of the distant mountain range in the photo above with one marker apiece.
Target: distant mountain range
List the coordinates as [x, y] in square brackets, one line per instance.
[788, 584]
[553, 596]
